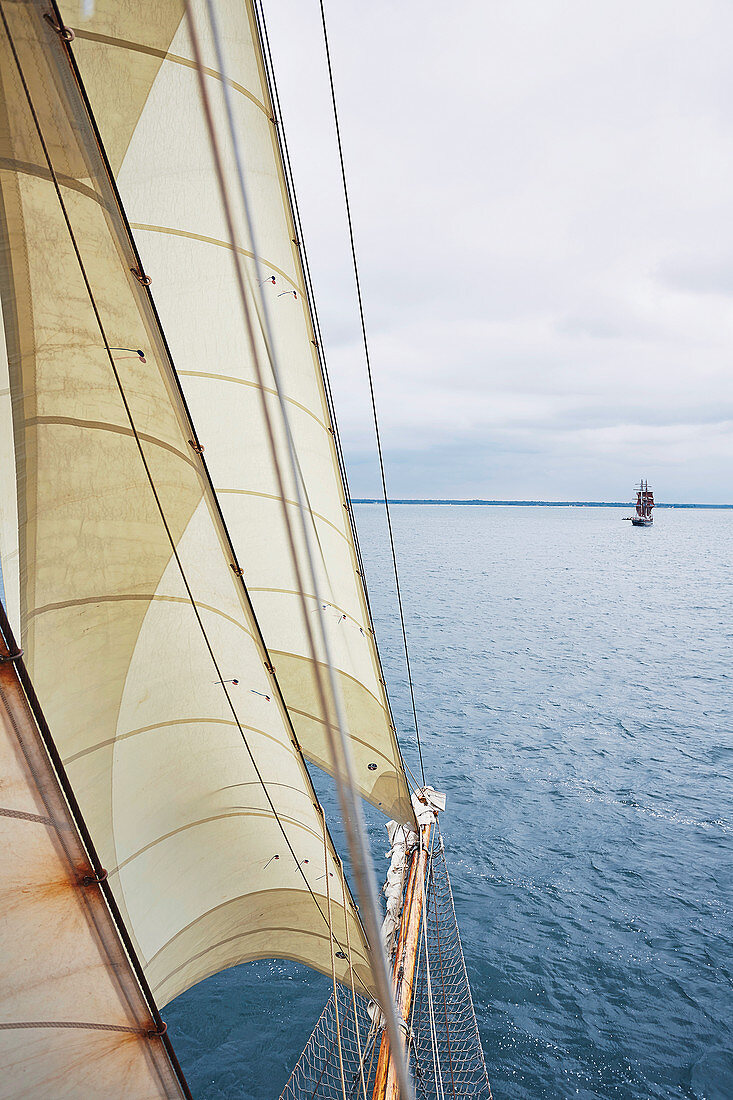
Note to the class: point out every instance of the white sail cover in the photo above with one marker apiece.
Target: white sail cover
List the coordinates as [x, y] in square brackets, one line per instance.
[138, 633]
[136, 63]
[93, 1037]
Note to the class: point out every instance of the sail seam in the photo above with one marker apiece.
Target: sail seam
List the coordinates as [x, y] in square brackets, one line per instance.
[117, 429]
[273, 955]
[359, 740]
[284, 653]
[36, 170]
[219, 817]
[165, 725]
[176, 59]
[220, 244]
[284, 500]
[218, 908]
[254, 386]
[148, 598]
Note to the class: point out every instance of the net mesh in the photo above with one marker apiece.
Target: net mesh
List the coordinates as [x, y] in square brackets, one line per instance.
[340, 1058]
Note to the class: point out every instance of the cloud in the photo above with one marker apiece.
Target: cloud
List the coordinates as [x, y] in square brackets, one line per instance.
[542, 196]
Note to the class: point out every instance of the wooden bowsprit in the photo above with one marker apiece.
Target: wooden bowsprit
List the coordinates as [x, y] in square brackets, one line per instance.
[433, 998]
[403, 970]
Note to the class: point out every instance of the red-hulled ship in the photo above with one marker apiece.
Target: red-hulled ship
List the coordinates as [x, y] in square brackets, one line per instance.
[644, 505]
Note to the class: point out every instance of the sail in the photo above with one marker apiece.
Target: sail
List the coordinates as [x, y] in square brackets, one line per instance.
[139, 75]
[73, 1019]
[137, 628]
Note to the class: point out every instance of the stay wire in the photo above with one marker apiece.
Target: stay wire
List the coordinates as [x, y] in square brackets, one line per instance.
[146, 467]
[367, 358]
[351, 811]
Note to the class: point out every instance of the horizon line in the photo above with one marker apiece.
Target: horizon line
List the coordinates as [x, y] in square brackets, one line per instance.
[527, 503]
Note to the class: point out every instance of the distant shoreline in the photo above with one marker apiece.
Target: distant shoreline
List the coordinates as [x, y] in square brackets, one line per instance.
[536, 503]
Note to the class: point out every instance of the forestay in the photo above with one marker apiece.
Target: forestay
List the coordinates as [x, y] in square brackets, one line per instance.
[136, 64]
[136, 627]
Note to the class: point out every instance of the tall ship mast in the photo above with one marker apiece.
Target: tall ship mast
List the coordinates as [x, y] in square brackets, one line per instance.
[644, 504]
[188, 626]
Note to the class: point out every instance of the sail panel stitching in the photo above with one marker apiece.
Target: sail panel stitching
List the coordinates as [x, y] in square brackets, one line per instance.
[255, 386]
[176, 59]
[284, 500]
[164, 725]
[220, 244]
[24, 815]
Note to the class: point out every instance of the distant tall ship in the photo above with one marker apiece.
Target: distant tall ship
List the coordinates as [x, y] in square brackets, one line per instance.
[644, 505]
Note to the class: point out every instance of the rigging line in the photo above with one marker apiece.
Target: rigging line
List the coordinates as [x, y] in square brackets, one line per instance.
[442, 976]
[462, 958]
[351, 810]
[310, 296]
[146, 467]
[431, 1011]
[367, 358]
[333, 962]
[315, 320]
[353, 991]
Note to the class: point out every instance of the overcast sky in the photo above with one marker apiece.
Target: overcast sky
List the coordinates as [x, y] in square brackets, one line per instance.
[543, 202]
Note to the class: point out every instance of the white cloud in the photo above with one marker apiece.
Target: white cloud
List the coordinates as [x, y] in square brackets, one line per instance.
[543, 200]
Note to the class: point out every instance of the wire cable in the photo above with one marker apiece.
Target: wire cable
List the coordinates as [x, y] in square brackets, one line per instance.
[367, 358]
[336, 731]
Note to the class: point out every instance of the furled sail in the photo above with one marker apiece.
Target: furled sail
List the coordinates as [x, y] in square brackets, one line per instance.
[138, 631]
[73, 1019]
[140, 79]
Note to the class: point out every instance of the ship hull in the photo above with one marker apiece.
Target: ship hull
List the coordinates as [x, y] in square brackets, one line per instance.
[642, 521]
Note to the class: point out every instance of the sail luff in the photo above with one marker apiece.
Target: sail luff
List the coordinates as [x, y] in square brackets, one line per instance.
[117, 622]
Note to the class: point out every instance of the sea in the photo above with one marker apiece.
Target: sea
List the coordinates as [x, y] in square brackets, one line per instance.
[574, 687]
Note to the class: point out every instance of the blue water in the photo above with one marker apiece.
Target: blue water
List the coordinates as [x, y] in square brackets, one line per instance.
[574, 687]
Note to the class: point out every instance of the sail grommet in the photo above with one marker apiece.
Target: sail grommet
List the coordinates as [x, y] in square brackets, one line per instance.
[158, 1031]
[270, 667]
[141, 277]
[65, 33]
[95, 879]
[236, 569]
[372, 767]
[197, 447]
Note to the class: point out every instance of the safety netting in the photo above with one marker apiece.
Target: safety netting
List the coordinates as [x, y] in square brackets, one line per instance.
[446, 1060]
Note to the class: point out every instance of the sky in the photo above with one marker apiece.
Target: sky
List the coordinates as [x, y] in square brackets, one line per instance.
[542, 195]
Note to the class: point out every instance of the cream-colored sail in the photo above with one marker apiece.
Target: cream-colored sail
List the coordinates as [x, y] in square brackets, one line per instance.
[73, 1020]
[138, 633]
[158, 144]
